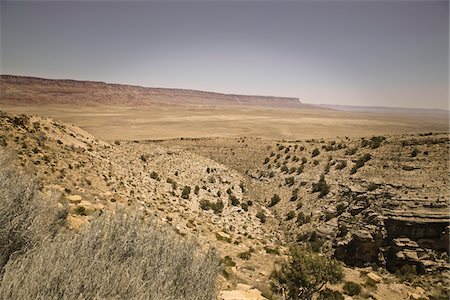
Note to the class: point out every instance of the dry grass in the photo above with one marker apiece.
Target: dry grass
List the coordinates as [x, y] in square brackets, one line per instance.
[118, 255]
[25, 218]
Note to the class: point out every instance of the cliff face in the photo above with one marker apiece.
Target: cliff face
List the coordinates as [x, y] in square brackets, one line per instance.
[30, 90]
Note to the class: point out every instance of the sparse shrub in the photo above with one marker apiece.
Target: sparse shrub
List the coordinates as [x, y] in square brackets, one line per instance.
[284, 169]
[173, 183]
[244, 206]
[350, 151]
[352, 288]
[290, 215]
[303, 219]
[340, 208]
[304, 274]
[246, 254]
[117, 255]
[304, 160]
[315, 152]
[80, 210]
[327, 294]
[185, 192]
[294, 196]
[117, 143]
[376, 141]
[341, 165]
[266, 160]
[154, 175]
[242, 186]
[372, 187]
[234, 201]
[228, 261]
[261, 216]
[290, 181]
[196, 190]
[315, 162]
[271, 250]
[321, 186]
[274, 200]
[27, 218]
[360, 162]
[407, 273]
[414, 152]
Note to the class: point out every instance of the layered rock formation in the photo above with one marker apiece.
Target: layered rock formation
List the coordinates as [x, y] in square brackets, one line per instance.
[29, 90]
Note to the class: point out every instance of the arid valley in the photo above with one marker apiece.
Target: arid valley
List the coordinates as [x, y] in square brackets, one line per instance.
[247, 176]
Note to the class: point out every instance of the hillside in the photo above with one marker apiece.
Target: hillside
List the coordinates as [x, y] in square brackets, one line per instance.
[20, 90]
[391, 211]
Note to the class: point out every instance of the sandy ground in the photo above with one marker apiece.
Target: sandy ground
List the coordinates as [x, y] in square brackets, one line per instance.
[144, 122]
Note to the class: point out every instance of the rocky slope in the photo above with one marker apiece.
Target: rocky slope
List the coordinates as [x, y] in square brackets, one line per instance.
[29, 90]
[387, 210]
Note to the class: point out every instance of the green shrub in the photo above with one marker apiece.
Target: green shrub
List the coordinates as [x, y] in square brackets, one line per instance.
[274, 201]
[185, 192]
[407, 273]
[341, 165]
[261, 216]
[228, 261]
[321, 187]
[290, 215]
[315, 152]
[271, 250]
[173, 183]
[154, 175]
[352, 288]
[217, 207]
[246, 254]
[350, 151]
[304, 274]
[376, 141]
[327, 294]
[196, 190]
[360, 162]
[234, 201]
[289, 181]
[303, 219]
[294, 195]
[117, 256]
[80, 210]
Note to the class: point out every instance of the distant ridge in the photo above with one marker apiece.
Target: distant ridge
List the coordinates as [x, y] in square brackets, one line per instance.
[22, 90]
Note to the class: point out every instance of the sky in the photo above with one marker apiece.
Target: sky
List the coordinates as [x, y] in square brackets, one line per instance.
[377, 53]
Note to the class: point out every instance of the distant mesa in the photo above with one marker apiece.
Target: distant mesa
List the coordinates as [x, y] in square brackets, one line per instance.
[20, 90]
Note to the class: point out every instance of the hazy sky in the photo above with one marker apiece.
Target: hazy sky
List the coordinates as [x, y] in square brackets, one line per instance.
[389, 53]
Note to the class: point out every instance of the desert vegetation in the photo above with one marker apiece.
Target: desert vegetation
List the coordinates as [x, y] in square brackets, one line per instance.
[220, 193]
[118, 254]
